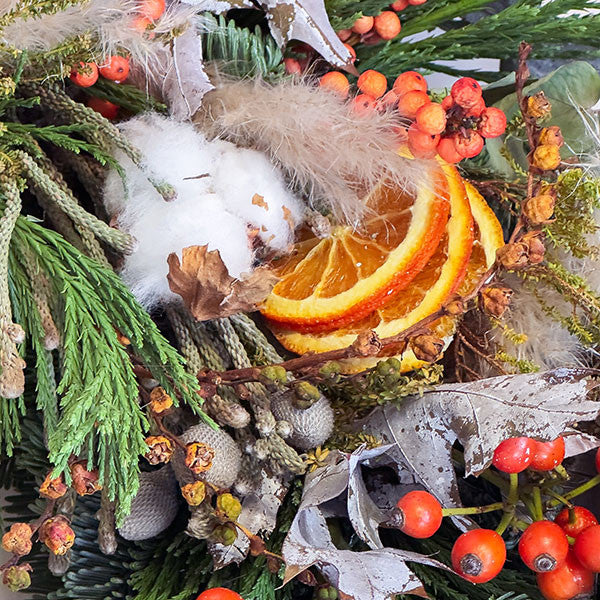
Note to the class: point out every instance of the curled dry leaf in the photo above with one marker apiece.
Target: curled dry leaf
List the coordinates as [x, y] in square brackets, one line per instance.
[207, 289]
[480, 415]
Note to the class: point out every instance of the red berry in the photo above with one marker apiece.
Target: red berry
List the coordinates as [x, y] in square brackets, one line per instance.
[493, 122]
[387, 25]
[416, 2]
[363, 25]
[389, 100]
[372, 83]
[151, 9]
[363, 104]
[352, 52]
[587, 548]
[141, 23]
[336, 82]
[219, 594]
[543, 546]
[447, 150]
[466, 92]
[598, 460]
[514, 454]
[408, 82]
[107, 109]
[344, 34]
[115, 68]
[470, 145]
[411, 102]
[84, 74]
[547, 455]
[419, 514]
[431, 118]
[479, 555]
[448, 102]
[477, 109]
[292, 66]
[567, 581]
[399, 5]
[574, 520]
[421, 144]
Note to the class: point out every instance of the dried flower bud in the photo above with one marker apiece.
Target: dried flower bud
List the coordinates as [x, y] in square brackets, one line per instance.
[160, 401]
[229, 506]
[257, 546]
[427, 347]
[57, 534]
[273, 375]
[225, 534]
[513, 256]
[17, 539]
[53, 487]
[367, 343]
[194, 493]
[538, 106]
[160, 449]
[546, 157]
[274, 564]
[551, 136]
[85, 482]
[17, 578]
[535, 247]
[496, 299]
[327, 592]
[122, 339]
[308, 578]
[455, 308]
[199, 457]
[540, 208]
[305, 395]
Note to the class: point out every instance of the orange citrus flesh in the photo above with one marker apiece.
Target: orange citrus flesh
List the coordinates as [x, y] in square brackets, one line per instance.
[327, 283]
[466, 251]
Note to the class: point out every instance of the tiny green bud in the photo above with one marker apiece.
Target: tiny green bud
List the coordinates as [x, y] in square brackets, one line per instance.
[225, 534]
[331, 369]
[305, 395]
[17, 578]
[273, 375]
[230, 506]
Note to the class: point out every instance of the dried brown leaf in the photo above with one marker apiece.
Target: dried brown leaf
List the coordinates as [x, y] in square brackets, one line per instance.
[208, 290]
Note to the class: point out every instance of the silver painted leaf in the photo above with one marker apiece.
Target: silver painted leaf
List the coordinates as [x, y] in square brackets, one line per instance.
[219, 6]
[480, 415]
[373, 575]
[186, 81]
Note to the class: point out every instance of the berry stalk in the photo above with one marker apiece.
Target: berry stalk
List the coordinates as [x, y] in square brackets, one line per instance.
[511, 504]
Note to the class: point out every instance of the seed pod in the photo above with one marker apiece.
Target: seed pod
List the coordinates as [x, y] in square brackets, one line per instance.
[85, 482]
[496, 299]
[198, 457]
[547, 157]
[194, 493]
[229, 506]
[160, 449]
[513, 256]
[17, 539]
[551, 136]
[538, 106]
[57, 535]
[427, 347]
[160, 401]
[540, 208]
[53, 488]
[305, 394]
[225, 534]
[535, 247]
[17, 578]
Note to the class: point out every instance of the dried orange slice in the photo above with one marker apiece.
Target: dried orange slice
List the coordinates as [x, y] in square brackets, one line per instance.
[453, 267]
[327, 283]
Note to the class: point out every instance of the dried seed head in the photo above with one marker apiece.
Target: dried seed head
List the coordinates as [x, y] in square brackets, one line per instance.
[427, 347]
[199, 457]
[17, 539]
[496, 299]
[225, 534]
[160, 401]
[535, 247]
[57, 534]
[546, 157]
[17, 578]
[551, 136]
[53, 487]
[367, 344]
[160, 449]
[538, 106]
[540, 208]
[229, 507]
[455, 307]
[194, 493]
[84, 482]
[513, 256]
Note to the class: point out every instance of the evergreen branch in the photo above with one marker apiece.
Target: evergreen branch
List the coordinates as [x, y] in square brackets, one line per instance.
[128, 96]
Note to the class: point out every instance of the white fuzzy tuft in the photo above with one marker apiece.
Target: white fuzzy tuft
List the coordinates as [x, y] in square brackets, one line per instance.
[326, 149]
[215, 184]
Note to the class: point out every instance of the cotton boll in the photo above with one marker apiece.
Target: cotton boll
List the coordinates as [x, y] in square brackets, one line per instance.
[274, 211]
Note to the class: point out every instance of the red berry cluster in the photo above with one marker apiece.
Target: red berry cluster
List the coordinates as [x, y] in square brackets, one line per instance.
[564, 553]
[219, 594]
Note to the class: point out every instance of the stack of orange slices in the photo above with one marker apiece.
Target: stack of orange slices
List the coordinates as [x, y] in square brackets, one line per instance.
[410, 256]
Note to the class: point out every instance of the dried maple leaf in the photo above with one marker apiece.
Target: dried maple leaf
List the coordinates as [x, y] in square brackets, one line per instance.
[207, 288]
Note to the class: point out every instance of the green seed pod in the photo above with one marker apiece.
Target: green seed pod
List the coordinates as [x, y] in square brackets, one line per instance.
[230, 506]
[273, 375]
[305, 395]
[225, 534]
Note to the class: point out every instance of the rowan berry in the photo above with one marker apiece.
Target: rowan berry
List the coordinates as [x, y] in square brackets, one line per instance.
[363, 104]
[151, 9]
[543, 546]
[418, 514]
[587, 548]
[476, 110]
[422, 145]
[567, 581]
[546, 157]
[399, 5]
[352, 52]
[115, 68]
[469, 145]
[447, 150]
[575, 520]
[363, 25]
[344, 34]
[448, 102]
[219, 594]
[141, 24]
[336, 82]
[84, 74]
[466, 92]
[551, 136]
[411, 102]
[547, 455]
[431, 118]
[478, 555]
[389, 100]
[493, 122]
[372, 83]
[514, 454]
[409, 81]
[387, 25]
[292, 66]
[416, 2]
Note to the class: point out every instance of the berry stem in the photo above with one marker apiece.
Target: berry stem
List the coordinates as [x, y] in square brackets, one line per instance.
[561, 471]
[473, 510]
[584, 487]
[511, 503]
[558, 497]
[538, 511]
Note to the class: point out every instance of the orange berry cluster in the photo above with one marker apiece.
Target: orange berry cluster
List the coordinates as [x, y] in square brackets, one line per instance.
[563, 553]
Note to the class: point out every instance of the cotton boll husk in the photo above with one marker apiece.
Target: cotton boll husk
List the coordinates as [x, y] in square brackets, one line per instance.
[325, 148]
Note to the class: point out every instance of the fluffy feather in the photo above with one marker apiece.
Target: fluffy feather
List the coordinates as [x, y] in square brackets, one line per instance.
[215, 184]
[325, 148]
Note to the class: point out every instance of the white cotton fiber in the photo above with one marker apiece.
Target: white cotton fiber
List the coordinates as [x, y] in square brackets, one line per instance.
[215, 183]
